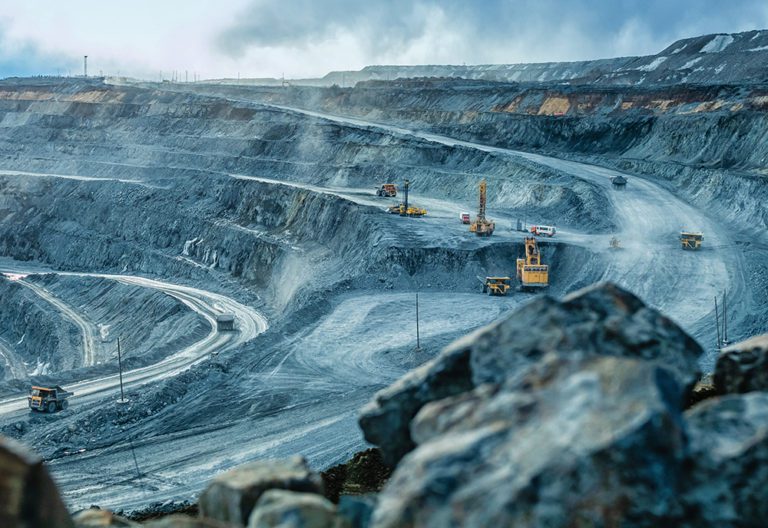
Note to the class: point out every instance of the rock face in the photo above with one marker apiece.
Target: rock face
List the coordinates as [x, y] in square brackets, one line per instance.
[743, 367]
[231, 496]
[577, 442]
[602, 320]
[28, 496]
[728, 484]
[287, 509]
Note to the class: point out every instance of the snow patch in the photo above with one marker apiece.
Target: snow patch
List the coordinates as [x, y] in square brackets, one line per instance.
[652, 66]
[104, 331]
[189, 244]
[717, 44]
[719, 69]
[41, 369]
[689, 64]
[678, 50]
[761, 48]
[22, 339]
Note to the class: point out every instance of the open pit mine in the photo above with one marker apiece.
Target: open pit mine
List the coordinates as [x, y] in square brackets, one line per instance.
[200, 281]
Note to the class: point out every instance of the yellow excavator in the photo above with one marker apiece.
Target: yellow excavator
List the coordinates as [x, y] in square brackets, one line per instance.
[531, 273]
[404, 209]
[482, 226]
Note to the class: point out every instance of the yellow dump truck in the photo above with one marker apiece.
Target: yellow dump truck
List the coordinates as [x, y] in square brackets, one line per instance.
[497, 285]
[691, 241]
[48, 399]
[387, 190]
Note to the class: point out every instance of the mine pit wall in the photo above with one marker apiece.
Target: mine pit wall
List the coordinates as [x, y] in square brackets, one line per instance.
[35, 332]
[708, 143]
[451, 269]
[292, 246]
[130, 133]
[147, 321]
[246, 230]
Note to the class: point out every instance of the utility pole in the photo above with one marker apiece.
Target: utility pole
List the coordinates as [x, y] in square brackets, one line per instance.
[406, 185]
[725, 321]
[717, 325]
[418, 336]
[85, 65]
[120, 366]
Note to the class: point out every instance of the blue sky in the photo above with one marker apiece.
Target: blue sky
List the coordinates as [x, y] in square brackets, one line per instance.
[266, 38]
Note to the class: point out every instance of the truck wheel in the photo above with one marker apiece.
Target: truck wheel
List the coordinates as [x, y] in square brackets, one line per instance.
[52, 407]
[64, 405]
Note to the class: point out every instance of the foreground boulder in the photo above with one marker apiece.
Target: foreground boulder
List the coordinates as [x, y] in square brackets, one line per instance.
[602, 320]
[96, 518]
[743, 367]
[728, 482]
[231, 496]
[28, 496]
[184, 521]
[576, 442]
[287, 509]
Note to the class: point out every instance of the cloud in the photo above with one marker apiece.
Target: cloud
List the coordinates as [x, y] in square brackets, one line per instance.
[355, 33]
[25, 58]
[257, 38]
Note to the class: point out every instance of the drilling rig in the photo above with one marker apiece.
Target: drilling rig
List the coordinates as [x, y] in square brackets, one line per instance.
[482, 226]
[404, 209]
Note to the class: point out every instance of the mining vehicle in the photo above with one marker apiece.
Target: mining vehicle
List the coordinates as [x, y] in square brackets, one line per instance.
[464, 217]
[531, 273]
[497, 285]
[404, 209]
[543, 230]
[619, 182]
[48, 399]
[614, 243]
[691, 241]
[482, 226]
[388, 190]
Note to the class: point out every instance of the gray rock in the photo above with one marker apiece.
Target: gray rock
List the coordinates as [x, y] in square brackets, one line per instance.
[28, 496]
[357, 510]
[287, 509]
[184, 521]
[577, 442]
[94, 518]
[743, 367]
[728, 484]
[386, 419]
[600, 320]
[231, 496]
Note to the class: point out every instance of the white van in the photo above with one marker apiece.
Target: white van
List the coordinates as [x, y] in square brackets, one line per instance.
[544, 230]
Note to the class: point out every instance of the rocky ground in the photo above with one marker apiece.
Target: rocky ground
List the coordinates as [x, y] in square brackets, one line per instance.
[583, 420]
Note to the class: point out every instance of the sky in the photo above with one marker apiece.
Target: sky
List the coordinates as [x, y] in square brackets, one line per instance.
[309, 38]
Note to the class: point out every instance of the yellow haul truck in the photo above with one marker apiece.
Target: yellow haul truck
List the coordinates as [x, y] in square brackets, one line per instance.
[690, 240]
[531, 273]
[48, 399]
[497, 285]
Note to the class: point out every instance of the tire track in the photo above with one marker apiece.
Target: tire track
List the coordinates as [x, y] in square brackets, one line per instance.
[85, 327]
